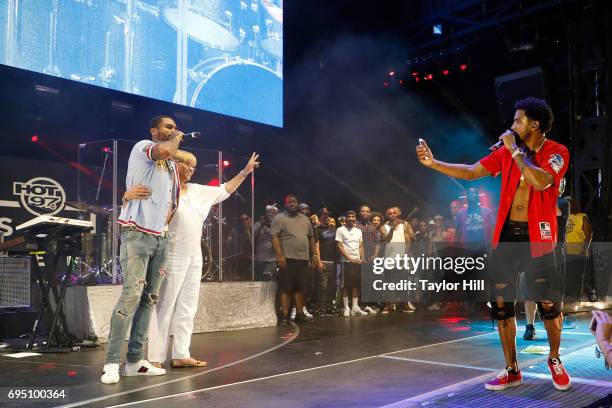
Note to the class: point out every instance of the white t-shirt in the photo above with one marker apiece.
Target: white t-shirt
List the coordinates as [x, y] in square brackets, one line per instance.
[185, 228]
[397, 245]
[351, 239]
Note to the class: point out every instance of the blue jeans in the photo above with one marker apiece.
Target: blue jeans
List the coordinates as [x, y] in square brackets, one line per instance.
[143, 259]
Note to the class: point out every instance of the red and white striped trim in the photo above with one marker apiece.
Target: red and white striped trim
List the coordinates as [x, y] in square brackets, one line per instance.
[149, 151]
[138, 227]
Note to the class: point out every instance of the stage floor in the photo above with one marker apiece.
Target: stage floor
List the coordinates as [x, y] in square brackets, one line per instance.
[431, 359]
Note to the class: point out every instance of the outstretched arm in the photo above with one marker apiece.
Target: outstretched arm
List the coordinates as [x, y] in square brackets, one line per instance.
[460, 171]
[234, 183]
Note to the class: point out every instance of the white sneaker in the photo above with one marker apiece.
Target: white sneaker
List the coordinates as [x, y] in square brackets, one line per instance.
[292, 316]
[306, 313]
[370, 310]
[435, 306]
[356, 310]
[411, 306]
[110, 373]
[143, 367]
[346, 312]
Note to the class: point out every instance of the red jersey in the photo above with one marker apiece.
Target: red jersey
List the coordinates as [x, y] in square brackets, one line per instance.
[552, 157]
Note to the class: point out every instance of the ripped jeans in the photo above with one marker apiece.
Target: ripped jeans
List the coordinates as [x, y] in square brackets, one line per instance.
[143, 259]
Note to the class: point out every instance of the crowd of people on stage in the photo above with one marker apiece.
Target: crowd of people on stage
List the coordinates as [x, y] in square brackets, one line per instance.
[328, 282]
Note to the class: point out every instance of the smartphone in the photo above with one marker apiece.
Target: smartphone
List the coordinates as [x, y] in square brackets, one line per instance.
[593, 326]
[422, 144]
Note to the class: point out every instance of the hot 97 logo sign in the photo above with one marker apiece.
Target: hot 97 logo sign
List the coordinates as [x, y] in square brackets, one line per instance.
[40, 195]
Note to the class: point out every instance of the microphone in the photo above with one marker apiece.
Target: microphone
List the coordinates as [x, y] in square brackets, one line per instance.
[499, 144]
[192, 135]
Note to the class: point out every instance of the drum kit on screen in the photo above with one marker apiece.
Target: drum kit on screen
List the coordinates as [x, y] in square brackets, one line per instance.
[219, 55]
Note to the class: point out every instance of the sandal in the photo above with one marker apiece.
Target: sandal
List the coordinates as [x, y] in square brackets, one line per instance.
[198, 363]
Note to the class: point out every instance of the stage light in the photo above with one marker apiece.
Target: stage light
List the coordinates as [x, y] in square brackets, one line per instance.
[428, 77]
[106, 149]
[445, 72]
[437, 29]
[226, 163]
[391, 73]
[417, 79]
[34, 139]
[401, 82]
[415, 74]
[385, 84]
[463, 67]
[214, 182]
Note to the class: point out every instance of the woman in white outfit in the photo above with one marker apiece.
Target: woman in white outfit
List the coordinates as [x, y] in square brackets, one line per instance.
[179, 293]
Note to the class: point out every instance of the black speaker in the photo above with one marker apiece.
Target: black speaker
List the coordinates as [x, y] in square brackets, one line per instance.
[518, 85]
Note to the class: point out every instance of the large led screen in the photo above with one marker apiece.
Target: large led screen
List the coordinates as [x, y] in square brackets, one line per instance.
[224, 56]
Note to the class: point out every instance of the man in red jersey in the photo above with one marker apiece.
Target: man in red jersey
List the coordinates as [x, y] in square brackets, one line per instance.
[526, 229]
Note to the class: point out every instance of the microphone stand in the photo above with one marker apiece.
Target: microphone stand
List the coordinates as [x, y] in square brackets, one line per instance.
[106, 153]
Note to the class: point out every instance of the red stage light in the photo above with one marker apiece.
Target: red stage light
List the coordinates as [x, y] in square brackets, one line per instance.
[106, 149]
[445, 72]
[214, 182]
[417, 79]
[226, 163]
[386, 84]
[463, 67]
[34, 139]
[428, 77]
[414, 74]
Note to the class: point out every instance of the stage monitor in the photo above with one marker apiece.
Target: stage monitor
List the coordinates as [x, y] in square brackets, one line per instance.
[224, 56]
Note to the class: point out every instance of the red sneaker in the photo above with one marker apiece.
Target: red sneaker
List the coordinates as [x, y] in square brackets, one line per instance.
[504, 380]
[560, 377]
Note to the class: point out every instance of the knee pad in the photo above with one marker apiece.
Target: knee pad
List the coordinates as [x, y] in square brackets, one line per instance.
[549, 314]
[502, 313]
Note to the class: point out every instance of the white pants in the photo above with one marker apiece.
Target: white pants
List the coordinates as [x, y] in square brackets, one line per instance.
[176, 307]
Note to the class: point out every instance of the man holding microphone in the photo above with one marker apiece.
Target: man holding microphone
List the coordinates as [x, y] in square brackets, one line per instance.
[531, 168]
[144, 228]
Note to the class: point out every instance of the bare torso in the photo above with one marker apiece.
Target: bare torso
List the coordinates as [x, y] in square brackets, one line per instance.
[520, 204]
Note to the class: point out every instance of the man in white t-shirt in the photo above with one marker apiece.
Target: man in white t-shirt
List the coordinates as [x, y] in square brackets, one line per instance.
[180, 291]
[349, 240]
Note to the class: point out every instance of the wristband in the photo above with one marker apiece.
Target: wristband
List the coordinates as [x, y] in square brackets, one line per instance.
[516, 152]
[243, 173]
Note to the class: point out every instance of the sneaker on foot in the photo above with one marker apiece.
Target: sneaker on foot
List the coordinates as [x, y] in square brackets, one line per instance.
[293, 312]
[530, 333]
[346, 312]
[560, 377]
[410, 306]
[435, 306]
[504, 380]
[110, 373]
[142, 367]
[306, 313]
[369, 310]
[356, 310]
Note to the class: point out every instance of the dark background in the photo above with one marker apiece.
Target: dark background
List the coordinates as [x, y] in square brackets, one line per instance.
[350, 128]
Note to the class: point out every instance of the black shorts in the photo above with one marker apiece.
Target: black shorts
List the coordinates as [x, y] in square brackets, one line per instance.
[351, 275]
[542, 279]
[295, 277]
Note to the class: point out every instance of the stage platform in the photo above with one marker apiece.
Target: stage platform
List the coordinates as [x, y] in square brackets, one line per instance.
[431, 359]
[222, 306]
